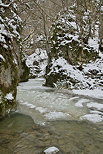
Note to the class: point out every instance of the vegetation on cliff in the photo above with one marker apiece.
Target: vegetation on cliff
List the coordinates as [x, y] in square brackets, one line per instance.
[76, 47]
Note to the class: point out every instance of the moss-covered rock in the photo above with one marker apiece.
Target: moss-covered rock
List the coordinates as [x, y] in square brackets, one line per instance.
[8, 81]
[11, 65]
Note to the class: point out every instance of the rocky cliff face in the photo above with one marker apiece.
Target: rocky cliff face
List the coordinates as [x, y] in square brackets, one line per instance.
[8, 81]
[75, 59]
[10, 55]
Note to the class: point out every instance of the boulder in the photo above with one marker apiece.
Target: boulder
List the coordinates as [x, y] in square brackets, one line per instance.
[71, 54]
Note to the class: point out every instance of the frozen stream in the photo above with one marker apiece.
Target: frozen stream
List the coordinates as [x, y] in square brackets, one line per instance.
[45, 104]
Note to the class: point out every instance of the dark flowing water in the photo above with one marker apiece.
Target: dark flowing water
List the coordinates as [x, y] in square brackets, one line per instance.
[19, 135]
[43, 125]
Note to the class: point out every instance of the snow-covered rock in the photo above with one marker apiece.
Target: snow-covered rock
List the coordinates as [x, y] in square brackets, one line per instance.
[75, 60]
[10, 25]
[9, 96]
[37, 63]
[51, 150]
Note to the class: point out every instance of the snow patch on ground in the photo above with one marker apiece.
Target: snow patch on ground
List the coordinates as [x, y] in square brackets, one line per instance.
[92, 117]
[95, 93]
[81, 102]
[95, 105]
[96, 112]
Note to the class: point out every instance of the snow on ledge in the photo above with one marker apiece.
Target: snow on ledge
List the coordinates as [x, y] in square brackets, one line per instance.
[9, 96]
[1, 57]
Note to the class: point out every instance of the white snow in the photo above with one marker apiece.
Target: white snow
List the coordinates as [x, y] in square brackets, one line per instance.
[81, 102]
[9, 25]
[15, 61]
[95, 93]
[4, 5]
[14, 28]
[5, 46]
[51, 150]
[2, 33]
[82, 78]
[73, 98]
[39, 38]
[39, 56]
[65, 42]
[2, 29]
[96, 112]
[94, 43]
[49, 104]
[0, 97]
[95, 105]
[97, 65]
[9, 96]
[28, 104]
[69, 69]
[1, 57]
[92, 117]
[41, 109]
[73, 24]
[56, 115]
[101, 8]
[15, 5]
[2, 39]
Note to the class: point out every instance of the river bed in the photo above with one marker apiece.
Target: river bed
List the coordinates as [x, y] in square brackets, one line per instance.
[48, 117]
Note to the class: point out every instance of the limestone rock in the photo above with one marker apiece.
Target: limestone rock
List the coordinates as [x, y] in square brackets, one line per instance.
[74, 60]
[10, 56]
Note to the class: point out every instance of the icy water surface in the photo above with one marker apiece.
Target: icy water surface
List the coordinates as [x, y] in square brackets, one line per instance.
[48, 117]
[45, 104]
